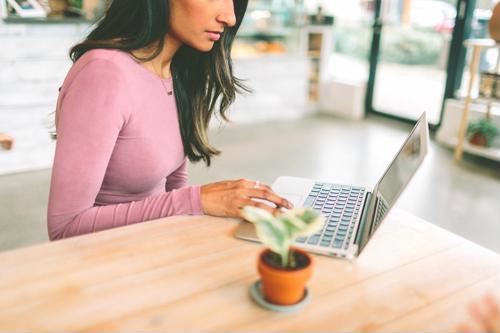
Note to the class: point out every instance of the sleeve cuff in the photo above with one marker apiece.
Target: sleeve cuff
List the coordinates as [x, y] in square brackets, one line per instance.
[195, 198]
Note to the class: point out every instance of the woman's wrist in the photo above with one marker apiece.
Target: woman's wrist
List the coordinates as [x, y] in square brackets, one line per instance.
[202, 196]
[196, 204]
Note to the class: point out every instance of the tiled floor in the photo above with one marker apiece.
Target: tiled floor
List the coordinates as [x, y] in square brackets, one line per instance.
[462, 198]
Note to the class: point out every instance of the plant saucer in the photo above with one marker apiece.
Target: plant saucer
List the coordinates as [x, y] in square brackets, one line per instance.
[256, 293]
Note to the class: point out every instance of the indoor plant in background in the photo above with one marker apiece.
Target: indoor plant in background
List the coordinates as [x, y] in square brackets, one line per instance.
[482, 132]
[284, 270]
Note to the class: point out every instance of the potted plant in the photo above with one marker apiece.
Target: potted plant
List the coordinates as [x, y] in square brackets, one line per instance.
[284, 270]
[482, 132]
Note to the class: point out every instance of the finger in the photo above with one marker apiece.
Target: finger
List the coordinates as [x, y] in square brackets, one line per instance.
[490, 314]
[237, 209]
[270, 196]
[238, 204]
[245, 183]
[475, 312]
[262, 206]
[492, 302]
[261, 185]
[267, 193]
[288, 204]
[483, 316]
[490, 323]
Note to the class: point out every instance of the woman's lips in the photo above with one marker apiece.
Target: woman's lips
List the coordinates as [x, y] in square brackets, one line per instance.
[214, 36]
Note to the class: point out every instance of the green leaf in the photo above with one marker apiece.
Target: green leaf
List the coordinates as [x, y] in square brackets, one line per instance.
[270, 235]
[310, 221]
[485, 127]
[254, 214]
[278, 233]
[270, 232]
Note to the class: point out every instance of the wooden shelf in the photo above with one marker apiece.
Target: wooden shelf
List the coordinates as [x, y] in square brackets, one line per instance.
[269, 34]
[481, 100]
[477, 46]
[490, 153]
[46, 20]
[484, 100]
[481, 42]
[495, 109]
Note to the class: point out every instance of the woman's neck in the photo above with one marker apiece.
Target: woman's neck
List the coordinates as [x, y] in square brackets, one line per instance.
[160, 65]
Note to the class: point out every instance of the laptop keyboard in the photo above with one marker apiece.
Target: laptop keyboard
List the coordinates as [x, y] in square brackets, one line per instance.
[341, 205]
[381, 211]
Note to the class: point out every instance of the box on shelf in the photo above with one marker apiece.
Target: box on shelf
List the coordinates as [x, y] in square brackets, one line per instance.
[316, 44]
[342, 97]
[25, 8]
[90, 9]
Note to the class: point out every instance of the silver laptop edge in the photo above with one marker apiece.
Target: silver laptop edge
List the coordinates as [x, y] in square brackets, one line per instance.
[297, 189]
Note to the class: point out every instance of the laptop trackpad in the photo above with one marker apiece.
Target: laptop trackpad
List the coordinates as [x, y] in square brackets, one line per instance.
[295, 199]
[293, 189]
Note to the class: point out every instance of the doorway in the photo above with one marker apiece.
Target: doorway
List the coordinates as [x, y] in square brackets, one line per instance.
[410, 67]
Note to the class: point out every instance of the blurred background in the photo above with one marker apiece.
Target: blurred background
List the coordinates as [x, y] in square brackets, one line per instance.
[337, 85]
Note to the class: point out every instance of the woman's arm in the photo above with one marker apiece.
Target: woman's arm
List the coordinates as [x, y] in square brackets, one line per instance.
[178, 178]
[93, 110]
[184, 201]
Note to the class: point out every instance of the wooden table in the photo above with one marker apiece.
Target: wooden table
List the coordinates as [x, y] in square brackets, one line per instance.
[190, 274]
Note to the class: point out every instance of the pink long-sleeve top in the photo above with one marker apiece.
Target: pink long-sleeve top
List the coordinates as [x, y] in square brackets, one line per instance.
[119, 155]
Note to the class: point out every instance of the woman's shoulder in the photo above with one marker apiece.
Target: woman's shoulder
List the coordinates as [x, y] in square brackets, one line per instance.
[97, 71]
[112, 55]
[99, 64]
[115, 59]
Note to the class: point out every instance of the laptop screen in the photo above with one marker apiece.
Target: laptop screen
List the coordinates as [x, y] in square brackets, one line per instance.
[396, 177]
[404, 166]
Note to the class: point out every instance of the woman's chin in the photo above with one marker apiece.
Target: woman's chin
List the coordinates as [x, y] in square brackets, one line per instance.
[205, 46]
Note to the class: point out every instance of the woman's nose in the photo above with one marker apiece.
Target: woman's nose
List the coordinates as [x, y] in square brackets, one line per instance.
[227, 16]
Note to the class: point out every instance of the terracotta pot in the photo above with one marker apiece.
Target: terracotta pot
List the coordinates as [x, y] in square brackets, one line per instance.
[284, 287]
[478, 139]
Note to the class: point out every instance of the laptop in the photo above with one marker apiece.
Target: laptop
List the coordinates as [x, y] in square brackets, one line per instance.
[353, 213]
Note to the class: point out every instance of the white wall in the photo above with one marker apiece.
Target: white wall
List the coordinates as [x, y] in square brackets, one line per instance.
[33, 63]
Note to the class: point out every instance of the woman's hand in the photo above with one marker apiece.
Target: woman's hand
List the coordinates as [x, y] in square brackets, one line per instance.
[227, 198]
[485, 316]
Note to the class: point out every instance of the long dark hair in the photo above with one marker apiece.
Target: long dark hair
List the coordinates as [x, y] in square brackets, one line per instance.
[203, 81]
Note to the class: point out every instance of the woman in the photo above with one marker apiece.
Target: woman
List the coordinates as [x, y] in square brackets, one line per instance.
[135, 106]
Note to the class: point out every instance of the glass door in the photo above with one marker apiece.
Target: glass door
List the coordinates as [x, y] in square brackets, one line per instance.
[409, 57]
[351, 39]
